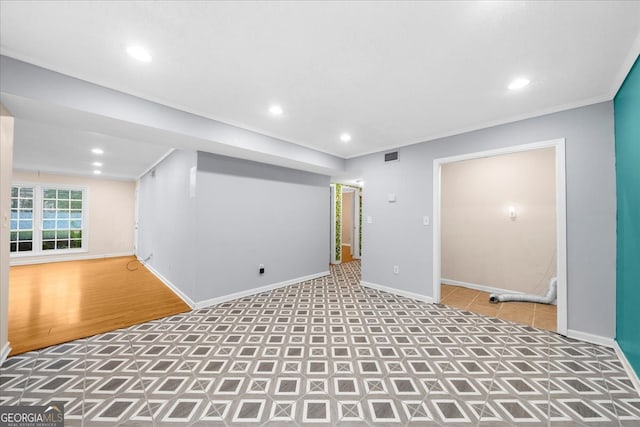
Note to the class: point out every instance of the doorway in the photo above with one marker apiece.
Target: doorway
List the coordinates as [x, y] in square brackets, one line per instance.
[346, 218]
[514, 216]
[349, 247]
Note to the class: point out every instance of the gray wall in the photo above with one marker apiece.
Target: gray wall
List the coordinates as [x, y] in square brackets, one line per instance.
[243, 214]
[166, 225]
[397, 236]
[252, 213]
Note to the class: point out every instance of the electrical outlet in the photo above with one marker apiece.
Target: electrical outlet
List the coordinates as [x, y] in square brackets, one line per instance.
[396, 269]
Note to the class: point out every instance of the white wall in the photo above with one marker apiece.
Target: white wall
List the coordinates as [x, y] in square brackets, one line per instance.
[397, 235]
[481, 243]
[6, 160]
[111, 215]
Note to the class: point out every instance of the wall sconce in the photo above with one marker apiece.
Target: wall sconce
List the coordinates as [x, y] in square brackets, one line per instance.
[512, 213]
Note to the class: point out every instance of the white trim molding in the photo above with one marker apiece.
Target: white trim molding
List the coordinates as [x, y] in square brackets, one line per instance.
[217, 300]
[156, 163]
[633, 376]
[61, 258]
[169, 284]
[242, 294]
[561, 216]
[6, 349]
[477, 287]
[398, 292]
[591, 338]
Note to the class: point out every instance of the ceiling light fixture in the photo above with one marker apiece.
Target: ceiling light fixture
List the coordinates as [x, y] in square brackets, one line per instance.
[345, 137]
[275, 110]
[97, 151]
[139, 53]
[97, 164]
[97, 172]
[519, 83]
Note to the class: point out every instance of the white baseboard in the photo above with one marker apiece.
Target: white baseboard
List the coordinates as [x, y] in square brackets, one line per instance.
[591, 338]
[170, 285]
[213, 301]
[242, 294]
[336, 262]
[478, 287]
[627, 367]
[61, 258]
[399, 292]
[6, 349]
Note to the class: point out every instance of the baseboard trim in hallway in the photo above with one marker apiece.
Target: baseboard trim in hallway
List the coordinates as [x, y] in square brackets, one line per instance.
[627, 366]
[242, 294]
[224, 298]
[5, 353]
[395, 291]
[169, 284]
[591, 338]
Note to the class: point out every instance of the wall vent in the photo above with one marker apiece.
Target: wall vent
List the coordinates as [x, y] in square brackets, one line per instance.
[391, 157]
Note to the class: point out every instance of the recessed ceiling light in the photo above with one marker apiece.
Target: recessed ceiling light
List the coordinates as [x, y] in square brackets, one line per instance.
[518, 83]
[276, 110]
[139, 53]
[97, 151]
[345, 137]
[97, 164]
[97, 172]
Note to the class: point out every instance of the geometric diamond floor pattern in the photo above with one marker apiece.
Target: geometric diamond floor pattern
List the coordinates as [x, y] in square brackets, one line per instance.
[326, 352]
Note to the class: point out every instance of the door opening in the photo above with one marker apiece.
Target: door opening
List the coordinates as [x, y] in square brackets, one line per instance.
[508, 222]
[346, 217]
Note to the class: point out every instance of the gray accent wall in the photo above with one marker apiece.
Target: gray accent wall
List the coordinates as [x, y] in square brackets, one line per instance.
[251, 213]
[397, 235]
[243, 214]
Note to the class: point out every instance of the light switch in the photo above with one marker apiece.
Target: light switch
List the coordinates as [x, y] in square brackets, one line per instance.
[369, 220]
[391, 197]
[425, 220]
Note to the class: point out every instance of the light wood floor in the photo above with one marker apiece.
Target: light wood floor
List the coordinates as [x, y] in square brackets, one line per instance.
[541, 316]
[346, 254]
[59, 302]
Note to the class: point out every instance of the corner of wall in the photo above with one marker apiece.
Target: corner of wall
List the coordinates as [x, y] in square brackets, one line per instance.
[6, 171]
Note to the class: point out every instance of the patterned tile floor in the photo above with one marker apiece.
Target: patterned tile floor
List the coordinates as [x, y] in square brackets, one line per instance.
[326, 352]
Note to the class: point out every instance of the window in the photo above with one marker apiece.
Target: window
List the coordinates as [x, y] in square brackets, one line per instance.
[21, 219]
[62, 219]
[47, 219]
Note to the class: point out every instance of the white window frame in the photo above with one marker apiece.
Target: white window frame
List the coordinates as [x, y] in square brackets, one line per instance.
[38, 198]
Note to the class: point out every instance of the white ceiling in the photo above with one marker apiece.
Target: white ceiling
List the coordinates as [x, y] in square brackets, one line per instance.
[389, 73]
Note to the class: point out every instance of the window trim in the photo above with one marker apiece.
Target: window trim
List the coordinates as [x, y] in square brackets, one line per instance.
[38, 198]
